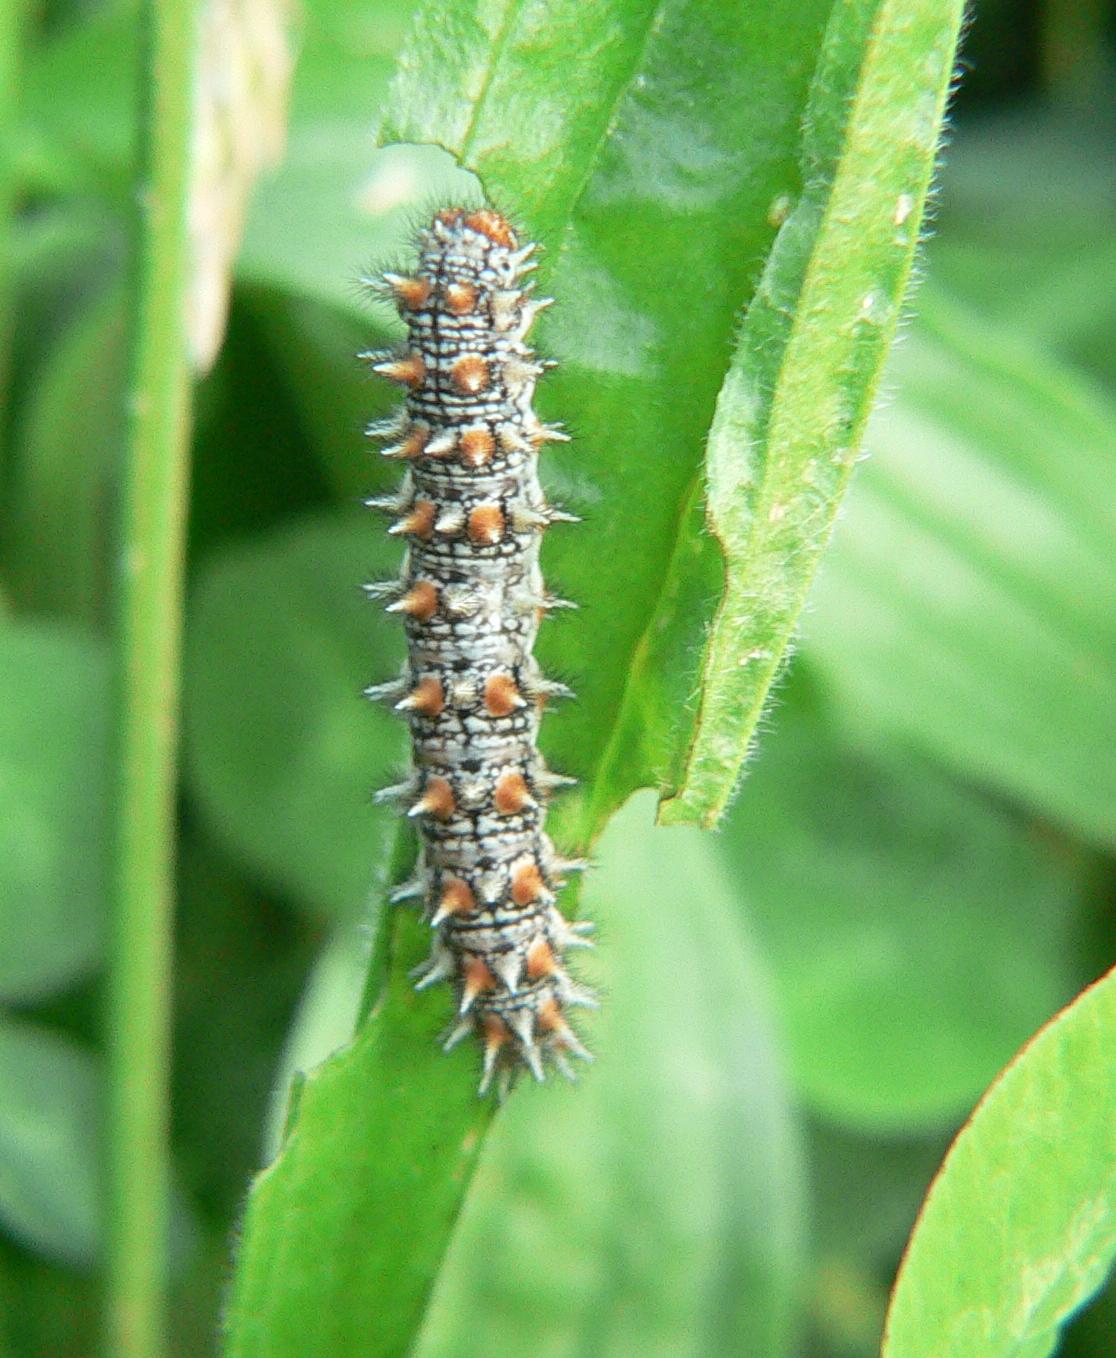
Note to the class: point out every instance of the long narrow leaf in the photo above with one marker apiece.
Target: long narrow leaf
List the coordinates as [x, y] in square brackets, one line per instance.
[792, 409]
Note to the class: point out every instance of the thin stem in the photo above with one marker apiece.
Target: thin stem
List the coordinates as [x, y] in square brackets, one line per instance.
[147, 644]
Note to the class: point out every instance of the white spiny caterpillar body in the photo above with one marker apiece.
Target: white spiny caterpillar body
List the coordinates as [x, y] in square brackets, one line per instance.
[471, 595]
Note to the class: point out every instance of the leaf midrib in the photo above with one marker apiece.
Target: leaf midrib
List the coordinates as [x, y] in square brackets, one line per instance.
[503, 36]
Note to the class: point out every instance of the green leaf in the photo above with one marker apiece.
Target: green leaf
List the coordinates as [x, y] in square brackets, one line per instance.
[791, 411]
[915, 932]
[972, 586]
[1019, 1228]
[652, 198]
[675, 1166]
[53, 806]
[366, 1134]
[49, 1156]
[51, 1150]
[658, 198]
[282, 756]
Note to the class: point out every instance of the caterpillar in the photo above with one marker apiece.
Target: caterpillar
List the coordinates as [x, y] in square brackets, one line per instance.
[471, 597]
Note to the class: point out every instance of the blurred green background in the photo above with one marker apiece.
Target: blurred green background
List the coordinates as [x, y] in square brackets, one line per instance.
[917, 872]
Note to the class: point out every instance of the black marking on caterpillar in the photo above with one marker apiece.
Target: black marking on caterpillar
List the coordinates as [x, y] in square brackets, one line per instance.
[471, 595]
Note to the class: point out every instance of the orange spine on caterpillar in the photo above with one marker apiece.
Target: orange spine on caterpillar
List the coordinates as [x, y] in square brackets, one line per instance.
[471, 595]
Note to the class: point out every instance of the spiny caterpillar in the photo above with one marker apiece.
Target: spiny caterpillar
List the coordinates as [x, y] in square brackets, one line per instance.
[471, 596]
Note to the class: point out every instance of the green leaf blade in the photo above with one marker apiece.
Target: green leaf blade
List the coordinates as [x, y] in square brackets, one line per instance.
[656, 225]
[1019, 1229]
[277, 734]
[974, 570]
[355, 1174]
[914, 930]
[655, 221]
[520, 86]
[53, 806]
[50, 1180]
[789, 418]
[687, 1211]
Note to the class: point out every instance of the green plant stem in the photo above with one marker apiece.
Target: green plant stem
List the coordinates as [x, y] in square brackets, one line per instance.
[147, 644]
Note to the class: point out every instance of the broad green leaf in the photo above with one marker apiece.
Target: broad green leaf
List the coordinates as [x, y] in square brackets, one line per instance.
[282, 756]
[791, 411]
[53, 805]
[652, 144]
[49, 1154]
[696, 134]
[675, 1168]
[51, 1191]
[678, 1176]
[1019, 1228]
[914, 931]
[969, 603]
[657, 199]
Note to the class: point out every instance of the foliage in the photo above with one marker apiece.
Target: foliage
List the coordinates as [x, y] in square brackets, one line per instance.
[916, 872]
[1039, 1156]
[595, 182]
